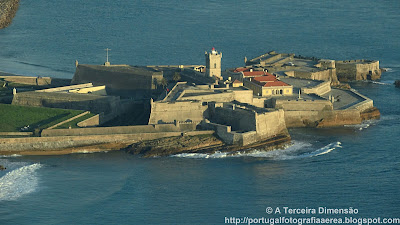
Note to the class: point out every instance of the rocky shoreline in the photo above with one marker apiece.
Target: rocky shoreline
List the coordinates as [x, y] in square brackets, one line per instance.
[208, 144]
[8, 9]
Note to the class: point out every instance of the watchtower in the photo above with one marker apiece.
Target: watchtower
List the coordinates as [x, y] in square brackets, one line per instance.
[213, 63]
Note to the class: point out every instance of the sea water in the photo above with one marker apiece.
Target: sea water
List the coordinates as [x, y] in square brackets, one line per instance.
[353, 166]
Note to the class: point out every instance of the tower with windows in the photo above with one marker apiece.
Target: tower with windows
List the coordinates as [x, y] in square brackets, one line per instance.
[213, 63]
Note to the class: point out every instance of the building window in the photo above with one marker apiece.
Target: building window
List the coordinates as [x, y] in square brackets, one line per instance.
[215, 65]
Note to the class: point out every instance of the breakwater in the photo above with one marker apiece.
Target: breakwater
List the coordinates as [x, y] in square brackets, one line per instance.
[8, 9]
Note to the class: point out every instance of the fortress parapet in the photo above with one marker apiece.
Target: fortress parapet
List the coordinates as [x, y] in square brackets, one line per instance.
[358, 70]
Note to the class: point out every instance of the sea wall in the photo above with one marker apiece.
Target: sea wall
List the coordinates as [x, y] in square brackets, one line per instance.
[8, 9]
[157, 128]
[40, 144]
[305, 118]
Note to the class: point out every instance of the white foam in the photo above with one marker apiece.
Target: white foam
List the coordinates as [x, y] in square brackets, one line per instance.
[19, 182]
[10, 156]
[362, 126]
[381, 83]
[289, 153]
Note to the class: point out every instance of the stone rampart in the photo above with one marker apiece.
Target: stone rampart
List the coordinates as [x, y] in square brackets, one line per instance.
[320, 89]
[66, 88]
[367, 103]
[40, 144]
[332, 118]
[358, 70]
[301, 104]
[249, 124]
[177, 127]
[68, 120]
[230, 137]
[168, 112]
[93, 103]
[36, 81]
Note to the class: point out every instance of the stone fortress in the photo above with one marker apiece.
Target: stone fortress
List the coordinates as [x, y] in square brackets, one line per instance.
[243, 106]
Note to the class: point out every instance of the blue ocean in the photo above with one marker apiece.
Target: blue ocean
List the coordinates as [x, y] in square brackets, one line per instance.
[355, 167]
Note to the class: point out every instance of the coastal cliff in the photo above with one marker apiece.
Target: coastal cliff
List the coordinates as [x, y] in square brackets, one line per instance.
[8, 9]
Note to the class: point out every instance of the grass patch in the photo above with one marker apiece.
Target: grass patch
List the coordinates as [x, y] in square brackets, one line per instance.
[74, 123]
[14, 117]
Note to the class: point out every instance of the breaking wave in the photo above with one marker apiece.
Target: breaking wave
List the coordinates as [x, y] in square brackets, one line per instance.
[295, 151]
[19, 182]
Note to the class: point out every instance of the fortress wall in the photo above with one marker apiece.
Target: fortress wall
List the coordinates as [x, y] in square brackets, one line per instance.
[39, 81]
[332, 118]
[358, 70]
[248, 138]
[39, 144]
[239, 119]
[346, 71]
[244, 96]
[258, 102]
[168, 112]
[119, 130]
[93, 103]
[222, 97]
[340, 118]
[270, 59]
[224, 132]
[66, 88]
[368, 71]
[270, 124]
[303, 74]
[90, 122]
[290, 73]
[302, 104]
[320, 89]
[119, 80]
[328, 74]
[364, 105]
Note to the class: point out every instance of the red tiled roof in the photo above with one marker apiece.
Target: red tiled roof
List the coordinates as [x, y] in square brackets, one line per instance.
[253, 74]
[275, 84]
[240, 69]
[237, 82]
[268, 74]
[265, 78]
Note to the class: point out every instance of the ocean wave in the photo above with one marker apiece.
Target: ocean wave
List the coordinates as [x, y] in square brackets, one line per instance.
[19, 182]
[289, 153]
[364, 125]
[10, 156]
[382, 82]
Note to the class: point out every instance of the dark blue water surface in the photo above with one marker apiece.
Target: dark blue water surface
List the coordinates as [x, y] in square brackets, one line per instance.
[355, 166]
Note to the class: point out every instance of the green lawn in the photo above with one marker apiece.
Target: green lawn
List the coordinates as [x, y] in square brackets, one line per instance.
[13, 117]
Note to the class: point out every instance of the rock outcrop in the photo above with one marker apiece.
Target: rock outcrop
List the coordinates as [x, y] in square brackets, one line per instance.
[8, 9]
[199, 144]
[397, 83]
[2, 167]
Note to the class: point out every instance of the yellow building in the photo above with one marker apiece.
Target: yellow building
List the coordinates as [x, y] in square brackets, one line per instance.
[268, 86]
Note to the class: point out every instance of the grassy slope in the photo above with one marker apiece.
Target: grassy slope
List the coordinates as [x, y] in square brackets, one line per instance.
[13, 117]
